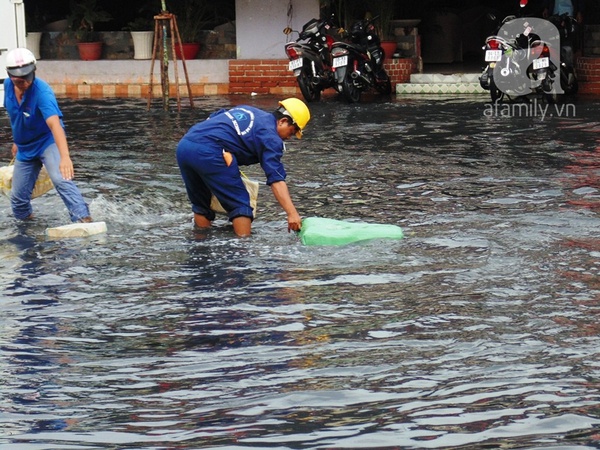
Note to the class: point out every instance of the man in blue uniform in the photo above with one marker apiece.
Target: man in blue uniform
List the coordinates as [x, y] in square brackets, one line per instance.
[39, 138]
[210, 154]
[573, 8]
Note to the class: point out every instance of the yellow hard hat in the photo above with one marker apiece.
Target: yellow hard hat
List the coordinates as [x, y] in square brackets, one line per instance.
[298, 111]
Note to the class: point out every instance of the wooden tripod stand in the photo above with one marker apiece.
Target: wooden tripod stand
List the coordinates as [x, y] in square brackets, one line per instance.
[160, 37]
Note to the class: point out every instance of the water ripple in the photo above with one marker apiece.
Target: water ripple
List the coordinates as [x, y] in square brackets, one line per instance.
[478, 330]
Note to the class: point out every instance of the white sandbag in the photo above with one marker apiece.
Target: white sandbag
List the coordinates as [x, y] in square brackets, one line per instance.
[6, 173]
[251, 187]
[42, 185]
[76, 230]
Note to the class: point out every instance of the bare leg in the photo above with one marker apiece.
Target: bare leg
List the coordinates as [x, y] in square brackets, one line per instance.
[242, 226]
[201, 221]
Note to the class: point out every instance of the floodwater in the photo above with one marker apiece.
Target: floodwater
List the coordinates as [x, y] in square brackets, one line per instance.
[478, 330]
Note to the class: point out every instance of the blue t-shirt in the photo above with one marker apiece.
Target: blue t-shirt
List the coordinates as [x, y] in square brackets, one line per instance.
[248, 133]
[28, 119]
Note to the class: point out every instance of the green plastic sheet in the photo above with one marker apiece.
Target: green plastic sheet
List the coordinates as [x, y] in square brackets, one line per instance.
[321, 231]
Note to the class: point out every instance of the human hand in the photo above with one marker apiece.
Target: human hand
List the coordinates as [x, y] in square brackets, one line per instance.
[66, 168]
[294, 222]
[13, 150]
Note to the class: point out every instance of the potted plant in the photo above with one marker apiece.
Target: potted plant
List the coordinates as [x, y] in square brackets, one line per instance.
[384, 9]
[84, 16]
[192, 16]
[142, 34]
[346, 12]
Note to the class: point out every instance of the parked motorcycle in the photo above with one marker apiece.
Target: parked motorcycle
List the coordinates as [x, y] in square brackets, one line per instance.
[497, 50]
[310, 57]
[519, 65]
[523, 64]
[541, 70]
[358, 64]
[567, 27]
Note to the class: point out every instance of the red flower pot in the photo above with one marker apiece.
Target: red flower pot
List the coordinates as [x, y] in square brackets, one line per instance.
[190, 50]
[89, 51]
[389, 48]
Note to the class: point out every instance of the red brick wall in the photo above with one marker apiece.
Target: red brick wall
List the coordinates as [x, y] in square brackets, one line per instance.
[588, 74]
[262, 76]
[271, 76]
[399, 69]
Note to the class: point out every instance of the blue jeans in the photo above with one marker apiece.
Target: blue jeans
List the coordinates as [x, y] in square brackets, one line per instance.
[25, 175]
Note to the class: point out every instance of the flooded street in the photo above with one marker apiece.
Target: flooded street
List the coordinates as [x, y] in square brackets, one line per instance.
[478, 330]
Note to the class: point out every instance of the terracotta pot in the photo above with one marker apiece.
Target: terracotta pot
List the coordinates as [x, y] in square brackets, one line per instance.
[190, 50]
[389, 48]
[89, 51]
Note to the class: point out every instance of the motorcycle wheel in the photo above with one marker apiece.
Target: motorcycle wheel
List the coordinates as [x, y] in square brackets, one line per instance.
[568, 82]
[383, 85]
[350, 91]
[496, 94]
[549, 94]
[310, 92]
[550, 97]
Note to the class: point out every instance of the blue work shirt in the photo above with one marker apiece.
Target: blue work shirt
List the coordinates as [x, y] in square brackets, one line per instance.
[249, 133]
[563, 7]
[28, 119]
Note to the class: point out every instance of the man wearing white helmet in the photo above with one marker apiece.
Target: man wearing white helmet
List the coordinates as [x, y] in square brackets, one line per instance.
[39, 138]
[210, 154]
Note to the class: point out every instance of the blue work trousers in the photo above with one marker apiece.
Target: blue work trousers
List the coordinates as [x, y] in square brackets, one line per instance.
[204, 173]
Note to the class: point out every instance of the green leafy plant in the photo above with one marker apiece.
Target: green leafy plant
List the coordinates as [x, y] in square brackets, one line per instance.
[343, 11]
[385, 9]
[348, 11]
[144, 20]
[192, 17]
[140, 24]
[85, 14]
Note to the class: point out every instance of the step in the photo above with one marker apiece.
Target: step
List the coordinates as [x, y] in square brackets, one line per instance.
[440, 78]
[439, 83]
[440, 88]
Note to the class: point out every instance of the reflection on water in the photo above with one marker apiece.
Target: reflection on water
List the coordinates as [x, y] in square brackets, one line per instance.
[478, 329]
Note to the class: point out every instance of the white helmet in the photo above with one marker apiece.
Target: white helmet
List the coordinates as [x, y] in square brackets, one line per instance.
[20, 62]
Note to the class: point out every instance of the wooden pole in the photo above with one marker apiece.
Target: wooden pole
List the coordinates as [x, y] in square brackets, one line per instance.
[160, 47]
[187, 78]
[165, 61]
[154, 50]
